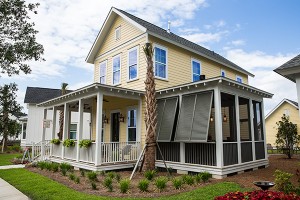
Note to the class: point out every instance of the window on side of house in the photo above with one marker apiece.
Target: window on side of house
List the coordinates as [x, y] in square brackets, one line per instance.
[132, 63]
[223, 73]
[24, 131]
[73, 131]
[131, 125]
[118, 33]
[116, 70]
[196, 67]
[102, 67]
[239, 79]
[257, 121]
[160, 58]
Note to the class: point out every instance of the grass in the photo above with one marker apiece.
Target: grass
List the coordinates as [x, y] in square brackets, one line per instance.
[5, 159]
[36, 186]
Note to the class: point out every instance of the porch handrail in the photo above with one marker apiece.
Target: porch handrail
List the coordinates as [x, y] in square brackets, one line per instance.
[40, 150]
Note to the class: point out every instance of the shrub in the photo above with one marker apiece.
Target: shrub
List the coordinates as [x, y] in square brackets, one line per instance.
[77, 180]
[64, 172]
[111, 175]
[149, 174]
[54, 167]
[161, 183]
[205, 176]
[143, 185]
[94, 186]
[69, 143]
[82, 172]
[282, 181]
[118, 177]
[108, 184]
[15, 147]
[72, 176]
[92, 176]
[48, 166]
[42, 165]
[85, 143]
[188, 179]
[198, 178]
[124, 185]
[55, 141]
[65, 166]
[177, 183]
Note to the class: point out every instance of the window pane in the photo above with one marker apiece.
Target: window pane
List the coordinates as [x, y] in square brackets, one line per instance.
[223, 74]
[160, 70]
[133, 57]
[116, 78]
[131, 134]
[103, 69]
[73, 135]
[24, 130]
[228, 117]
[73, 127]
[116, 64]
[244, 119]
[160, 55]
[196, 77]
[257, 121]
[196, 67]
[102, 79]
[132, 72]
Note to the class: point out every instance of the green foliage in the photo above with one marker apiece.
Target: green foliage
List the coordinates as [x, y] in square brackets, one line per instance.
[85, 143]
[42, 165]
[69, 143]
[5, 159]
[63, 172]
[161, 183]
[177, 183]
[72, 177]
[48, 166]
[55, 167]
[77, 180]
[283, 182]
[82, 172]
[102, 173]
[55, 141]
[188, 179]
[108, 184]
[149, 174]
[143, 185]
[66, 166]
[203, 176]
[111, 174]
[92, 176]
[94, 186]
[15, 148]
[118, 177]
[287, 136]
[124, 185]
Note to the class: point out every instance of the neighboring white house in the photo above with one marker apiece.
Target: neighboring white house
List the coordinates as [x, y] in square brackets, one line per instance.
[32, 125]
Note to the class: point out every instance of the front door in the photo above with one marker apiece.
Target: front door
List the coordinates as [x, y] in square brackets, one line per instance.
[115, 127]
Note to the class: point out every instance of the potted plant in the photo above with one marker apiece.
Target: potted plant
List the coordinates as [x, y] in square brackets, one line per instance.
[69, 143]
[55, 141]
[85, 143]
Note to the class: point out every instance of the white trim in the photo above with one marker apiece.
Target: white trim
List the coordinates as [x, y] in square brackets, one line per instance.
[112, 80]
[137, 63]
[239, 77]
[105, 76]
[116, 31]
[136, 126]
[154, 68]
[223, 71]
[284, 100]
[197, 61]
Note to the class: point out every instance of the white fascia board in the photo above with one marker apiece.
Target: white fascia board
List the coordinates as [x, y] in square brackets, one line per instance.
[276, 107]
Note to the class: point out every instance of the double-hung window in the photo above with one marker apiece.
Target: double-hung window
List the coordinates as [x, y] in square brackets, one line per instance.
[73, 131]
[239, 79]
[223, 73]
[103, 72]
[116, 70]
[132, 63]
[131, 125]
[196, 67]
[160, 59]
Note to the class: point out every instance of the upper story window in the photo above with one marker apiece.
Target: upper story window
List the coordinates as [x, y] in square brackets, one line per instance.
[118, 33]
[116, 70]
[132, 63]
[160, 58]
[239, 79]
[223, 73]
[131, 124]
[102, 67]
[196, 67]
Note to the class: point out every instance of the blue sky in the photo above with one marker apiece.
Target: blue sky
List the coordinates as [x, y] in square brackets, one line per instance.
[257, 35]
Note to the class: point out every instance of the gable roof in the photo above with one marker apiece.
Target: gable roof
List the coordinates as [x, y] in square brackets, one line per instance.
[290, 68]
[162, 34]
[37, 95]
[293, 103]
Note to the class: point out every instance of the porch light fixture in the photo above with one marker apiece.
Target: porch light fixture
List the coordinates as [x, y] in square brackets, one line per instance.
[121, 118]
[211, 118]
[224, 117]
[105, 119]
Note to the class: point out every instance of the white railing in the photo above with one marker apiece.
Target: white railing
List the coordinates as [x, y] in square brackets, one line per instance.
[41, 150]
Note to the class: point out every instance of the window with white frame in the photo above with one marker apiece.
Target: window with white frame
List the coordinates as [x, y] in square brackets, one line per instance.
[24, 130]
[223, 73]
[103, 72]
[160, 58]
[132, 63]
[118, 33]
[116, 70]
[239, 79]
[131, 125]
[196, 67]
[73, 131]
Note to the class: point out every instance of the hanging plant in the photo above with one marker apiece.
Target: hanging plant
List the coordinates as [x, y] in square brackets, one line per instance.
[55, 141]
[85, 143]
[69, 143]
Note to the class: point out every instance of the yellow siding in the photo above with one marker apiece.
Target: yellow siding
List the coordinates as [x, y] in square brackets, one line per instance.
[271, 127]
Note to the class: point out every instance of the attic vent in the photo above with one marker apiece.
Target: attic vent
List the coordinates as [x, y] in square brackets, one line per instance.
[118, 33]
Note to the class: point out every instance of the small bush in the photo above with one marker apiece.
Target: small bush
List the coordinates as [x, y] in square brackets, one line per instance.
[77, 180]
[85, 143]
[283, 182]
[149, 174]
[188, 179]
[54, 167]
[72, 177]
[198, 178]
[161, 183]
[65, 166]
[15, 147]
[108, 184]
[92, 176]
[177, 183]
[118, 177]
[82, 172]
[69, 143]
[124, 185]
[205, 176]
[143, 185]
[55, 141]
[48, 166]
[111, 175]
[63, 172]
[94, 186]
[42, 165]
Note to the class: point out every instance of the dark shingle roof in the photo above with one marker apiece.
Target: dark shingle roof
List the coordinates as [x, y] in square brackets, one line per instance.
[293, 102]
[173, 37]
[38, 95]
[294, 62]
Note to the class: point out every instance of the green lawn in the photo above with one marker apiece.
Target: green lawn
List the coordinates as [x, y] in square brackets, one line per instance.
[36, 186]
[5, 159]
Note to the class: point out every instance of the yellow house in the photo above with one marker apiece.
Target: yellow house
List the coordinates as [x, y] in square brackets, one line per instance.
[285, 107]
[205, 105]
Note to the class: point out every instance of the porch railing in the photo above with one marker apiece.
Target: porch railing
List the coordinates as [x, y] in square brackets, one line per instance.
[41, 150]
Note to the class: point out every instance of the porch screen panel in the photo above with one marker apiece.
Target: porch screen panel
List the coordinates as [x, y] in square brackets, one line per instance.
[160, 112]
[185, 120]
[167, 120]
[201, 117]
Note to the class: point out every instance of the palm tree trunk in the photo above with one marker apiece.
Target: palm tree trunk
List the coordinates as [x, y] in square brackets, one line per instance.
[61, 113]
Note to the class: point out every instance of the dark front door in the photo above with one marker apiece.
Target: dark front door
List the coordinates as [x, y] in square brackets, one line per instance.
[115, 127]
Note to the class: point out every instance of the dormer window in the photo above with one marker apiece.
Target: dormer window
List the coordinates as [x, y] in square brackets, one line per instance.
[118, 33]
[239, 79]
[223, 73]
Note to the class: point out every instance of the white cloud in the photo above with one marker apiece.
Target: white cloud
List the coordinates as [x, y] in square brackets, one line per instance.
[238, 42]
[220, 23]
[205, 37]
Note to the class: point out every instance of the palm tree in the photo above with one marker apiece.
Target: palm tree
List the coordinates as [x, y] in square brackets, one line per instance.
[61, 113]
[150, 112]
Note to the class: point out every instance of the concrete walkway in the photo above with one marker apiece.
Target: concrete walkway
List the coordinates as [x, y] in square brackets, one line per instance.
[7, 191]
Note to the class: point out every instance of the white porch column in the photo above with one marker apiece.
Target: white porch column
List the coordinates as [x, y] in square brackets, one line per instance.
[43, 134]
[80, 127]
[66, 127]
[218, 128]
[252, 130]
[238, 128]
[53, 127]
[99, 107]
[263, 126]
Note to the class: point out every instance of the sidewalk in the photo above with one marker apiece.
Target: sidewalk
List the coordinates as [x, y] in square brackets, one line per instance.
[7, 191]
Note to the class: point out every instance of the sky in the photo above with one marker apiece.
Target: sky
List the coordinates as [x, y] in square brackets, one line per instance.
[257, 35]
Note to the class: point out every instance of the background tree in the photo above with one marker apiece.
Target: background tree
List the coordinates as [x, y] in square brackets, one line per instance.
[17, 37]
[61, 113]
[287, 137]
[150, 112]
[8, 108]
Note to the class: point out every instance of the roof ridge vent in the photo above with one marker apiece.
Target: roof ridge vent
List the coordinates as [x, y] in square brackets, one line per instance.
[169, 26]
